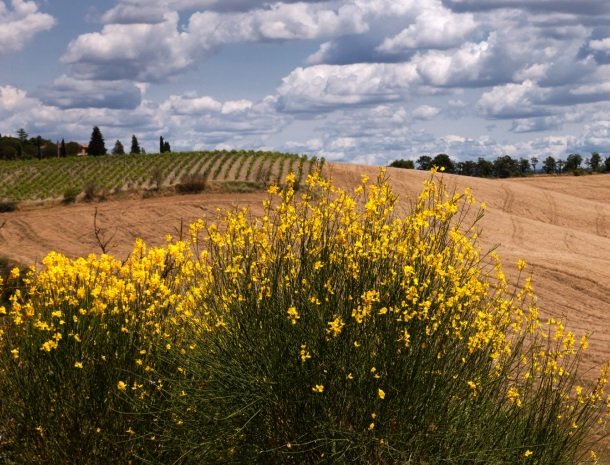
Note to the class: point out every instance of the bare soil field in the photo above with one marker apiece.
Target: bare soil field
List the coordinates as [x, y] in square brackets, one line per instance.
[559, 225]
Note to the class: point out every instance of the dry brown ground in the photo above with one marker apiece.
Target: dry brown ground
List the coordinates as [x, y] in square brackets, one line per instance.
[560, 225]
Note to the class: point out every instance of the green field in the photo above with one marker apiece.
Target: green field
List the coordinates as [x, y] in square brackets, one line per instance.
[67, 178]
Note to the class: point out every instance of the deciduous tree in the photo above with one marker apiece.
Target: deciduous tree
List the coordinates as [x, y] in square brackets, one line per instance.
[549, 165]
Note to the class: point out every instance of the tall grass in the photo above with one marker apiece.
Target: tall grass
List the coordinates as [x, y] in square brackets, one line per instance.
[329, 330]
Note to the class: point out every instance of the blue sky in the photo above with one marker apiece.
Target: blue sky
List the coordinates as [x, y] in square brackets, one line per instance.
[366, 81]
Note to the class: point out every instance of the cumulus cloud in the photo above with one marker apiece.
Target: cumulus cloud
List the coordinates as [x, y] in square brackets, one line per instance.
[14, 100]
[513, 101]
[19, 23]
[330, 86]
[435, 27]
[140, 52]
[278, 21]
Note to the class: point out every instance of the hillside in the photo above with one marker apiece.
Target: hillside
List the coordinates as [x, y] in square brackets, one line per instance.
[560, 225]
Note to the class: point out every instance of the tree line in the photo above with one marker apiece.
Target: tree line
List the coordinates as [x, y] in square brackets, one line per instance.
[506, 166]
[23, 147]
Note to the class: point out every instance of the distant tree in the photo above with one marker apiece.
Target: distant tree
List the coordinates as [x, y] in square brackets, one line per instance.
[161, 144]
[560, 165]
[505, 167]
[573, 162]
[142, 151]
[22, 135]
[466, 168]
[49, 149]
[39, 147]
[607, 164]
[594, 161]
[424, 162]
[524, 166]
[135, 146]
[442, 160]
[534, 162]
[72, 148]
[485, 168]
[62, 149]
[166, 147]
[549, 165]
[118, 148]
[407, 164]
[96, 144]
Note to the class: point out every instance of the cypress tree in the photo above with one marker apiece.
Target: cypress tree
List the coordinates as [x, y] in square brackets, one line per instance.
[62, 149]
[135, 146]
[161, 145]
[96, 144]
[166, 147]
[118, 148]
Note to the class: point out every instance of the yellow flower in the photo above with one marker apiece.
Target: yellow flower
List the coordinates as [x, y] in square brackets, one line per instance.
[521, 264]
[15, 354]
[304, 354]
[372, 426]
[121, 385]
[528, 453]
[78, 364]
[293, 315]
[335, 327]
[319, 388]
[381, 394]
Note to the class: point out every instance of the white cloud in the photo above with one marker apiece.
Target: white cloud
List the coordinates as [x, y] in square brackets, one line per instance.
[425, 112]
[140, 52]
[513, 101]
[14, 100]
[435, 27]
[277, 22]
[330, 86]
[602, 45]
[146, 43]
[19, 23]
[456, 67]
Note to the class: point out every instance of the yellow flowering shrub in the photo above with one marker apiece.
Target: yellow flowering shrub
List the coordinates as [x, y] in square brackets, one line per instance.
[328, 330]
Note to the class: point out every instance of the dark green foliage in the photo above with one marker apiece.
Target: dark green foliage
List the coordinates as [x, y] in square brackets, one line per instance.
[506, 167]
[22, 135]
[406, 164]
[595, 161]
[424, 162]
[62, 149]
[118, 148]
[135, 146]
[573, 162]
[96, 143]
[442, 160]
[549, 165]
